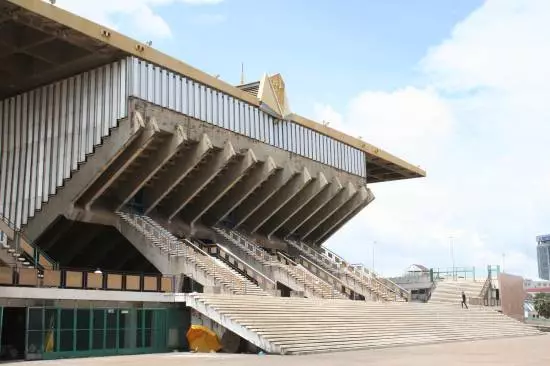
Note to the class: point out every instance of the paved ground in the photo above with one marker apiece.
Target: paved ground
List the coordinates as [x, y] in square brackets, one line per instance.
[517, 351]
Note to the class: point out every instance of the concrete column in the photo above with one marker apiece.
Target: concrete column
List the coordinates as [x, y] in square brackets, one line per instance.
[175, 173]
[214, 192]
[359, 199]
[117, 167]
[278, 200]
[334, 204]
[311, 208]
[294, 205]
[345, 220]
[153, 164]
[264, 193]
[205, 175]
[242, 190]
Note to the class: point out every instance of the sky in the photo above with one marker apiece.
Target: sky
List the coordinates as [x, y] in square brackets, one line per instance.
[460, 88]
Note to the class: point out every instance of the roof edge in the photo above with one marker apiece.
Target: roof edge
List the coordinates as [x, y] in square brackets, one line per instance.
[369, 149]
[143, 51]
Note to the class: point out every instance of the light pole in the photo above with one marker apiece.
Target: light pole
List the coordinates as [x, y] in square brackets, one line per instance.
[503, 260]
[452, 255]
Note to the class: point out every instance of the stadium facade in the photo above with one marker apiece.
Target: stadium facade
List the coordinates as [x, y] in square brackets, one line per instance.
[139, 195]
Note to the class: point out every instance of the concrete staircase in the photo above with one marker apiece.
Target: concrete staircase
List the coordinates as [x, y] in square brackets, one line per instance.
[182, 256]
[16, 250]
[279, 267]
[357, 278]
[450, 291]
[302, 326]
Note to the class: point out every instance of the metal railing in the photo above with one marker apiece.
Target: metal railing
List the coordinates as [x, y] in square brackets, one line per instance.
[262, 280]
[307, 280]
[23, 245]
[167, 243]
[386, 289]
[311, 282]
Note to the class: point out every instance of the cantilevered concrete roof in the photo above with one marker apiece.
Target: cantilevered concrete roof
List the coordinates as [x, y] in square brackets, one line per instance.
[41, 43]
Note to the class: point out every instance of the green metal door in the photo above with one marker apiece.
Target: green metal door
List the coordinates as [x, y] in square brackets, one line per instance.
[1, 323]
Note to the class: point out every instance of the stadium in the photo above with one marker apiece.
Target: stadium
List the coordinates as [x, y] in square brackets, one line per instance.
[140, 196]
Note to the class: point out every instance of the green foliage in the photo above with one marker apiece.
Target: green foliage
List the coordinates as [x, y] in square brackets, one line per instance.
[542, 304]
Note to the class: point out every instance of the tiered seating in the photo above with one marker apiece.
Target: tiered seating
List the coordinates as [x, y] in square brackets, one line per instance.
[300, 326]
[221, 274]
[450, 291]
[312, 285]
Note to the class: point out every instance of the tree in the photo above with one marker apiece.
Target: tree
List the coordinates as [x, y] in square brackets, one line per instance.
[542, 304]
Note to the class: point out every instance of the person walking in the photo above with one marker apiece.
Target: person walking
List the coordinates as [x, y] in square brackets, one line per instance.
[463, 304]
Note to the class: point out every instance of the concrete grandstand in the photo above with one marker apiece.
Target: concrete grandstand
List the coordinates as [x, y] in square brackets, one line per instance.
[130, 182]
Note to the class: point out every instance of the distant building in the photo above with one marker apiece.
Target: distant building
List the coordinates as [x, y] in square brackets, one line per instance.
[543, 256]
[535, 284]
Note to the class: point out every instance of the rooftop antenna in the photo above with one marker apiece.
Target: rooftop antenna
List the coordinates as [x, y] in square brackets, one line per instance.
[242, 73]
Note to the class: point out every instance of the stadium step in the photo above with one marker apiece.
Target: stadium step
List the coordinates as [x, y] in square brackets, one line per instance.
[450, 291]
[302, 326]
[174, 256]
[355, 277]
[279, 267]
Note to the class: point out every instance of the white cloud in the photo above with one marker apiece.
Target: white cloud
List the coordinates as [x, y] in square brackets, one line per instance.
[480, 128]
[138, 16]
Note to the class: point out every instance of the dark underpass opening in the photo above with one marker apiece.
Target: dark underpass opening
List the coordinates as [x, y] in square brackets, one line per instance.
[14, 322]
[80, 245]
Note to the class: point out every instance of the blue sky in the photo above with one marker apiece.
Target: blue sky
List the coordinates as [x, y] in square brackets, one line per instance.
[326, 52]
[458, 87]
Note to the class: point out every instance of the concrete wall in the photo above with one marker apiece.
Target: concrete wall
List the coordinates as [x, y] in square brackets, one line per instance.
[512, 295]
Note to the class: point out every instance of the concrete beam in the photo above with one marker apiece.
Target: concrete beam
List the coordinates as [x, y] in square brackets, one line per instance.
[359, 199]
[159, 158]
[56, 294]
[112, 147]
[294, 205]
[311, 208]
[220, 187]
[115, 169]
[245, 187]
[205, 175]
[278, 200]
[262, 194]
[328, 209]
[175, 173]
[345, 220]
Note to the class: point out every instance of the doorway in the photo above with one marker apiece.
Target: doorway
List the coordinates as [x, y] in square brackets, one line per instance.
[14, 322]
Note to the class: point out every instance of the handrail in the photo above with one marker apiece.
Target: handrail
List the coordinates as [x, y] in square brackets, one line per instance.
[485, 287]
[177, 246]
[266, 259]
[358, 272]
[315, 280]
[17, 235]
[267, 279]
[321, 269]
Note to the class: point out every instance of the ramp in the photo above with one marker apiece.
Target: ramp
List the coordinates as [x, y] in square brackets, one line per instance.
[302, 326]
